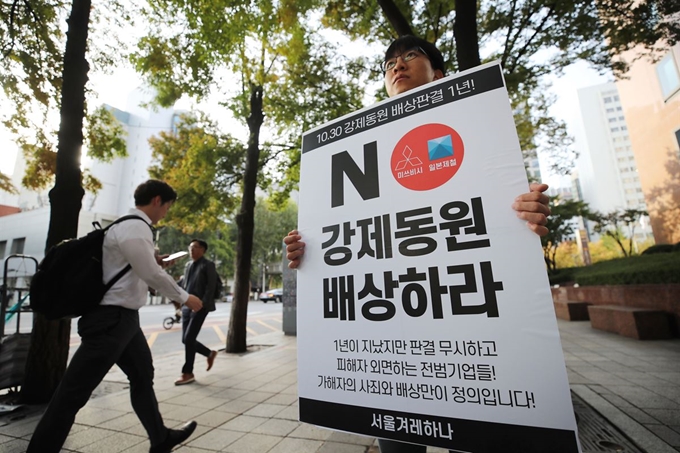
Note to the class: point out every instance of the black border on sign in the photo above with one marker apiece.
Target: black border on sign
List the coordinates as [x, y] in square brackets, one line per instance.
[485, 80]
[469, 435]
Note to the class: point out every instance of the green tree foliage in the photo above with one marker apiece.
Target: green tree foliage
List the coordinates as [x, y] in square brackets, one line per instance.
[270, 220]
[6, 184]
[567, 255]
[205, 167]
[612, 224]
[282, 67]
[560, 227]
[38, 79]
[530, 38]
[32, 42]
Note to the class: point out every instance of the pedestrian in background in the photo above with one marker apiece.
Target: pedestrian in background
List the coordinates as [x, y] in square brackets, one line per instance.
[200, 279]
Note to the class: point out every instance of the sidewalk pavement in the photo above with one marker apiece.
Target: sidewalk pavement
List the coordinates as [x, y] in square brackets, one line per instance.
[248, 403]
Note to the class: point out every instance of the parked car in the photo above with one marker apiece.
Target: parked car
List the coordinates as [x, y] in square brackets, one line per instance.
[275, 294]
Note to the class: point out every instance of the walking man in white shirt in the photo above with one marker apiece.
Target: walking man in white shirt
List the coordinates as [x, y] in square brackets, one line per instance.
[111, 333]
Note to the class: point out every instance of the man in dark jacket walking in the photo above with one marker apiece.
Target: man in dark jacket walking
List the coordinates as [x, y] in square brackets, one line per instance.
[200, 279]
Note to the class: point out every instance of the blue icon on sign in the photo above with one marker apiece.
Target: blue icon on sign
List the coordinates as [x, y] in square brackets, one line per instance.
[439, 148]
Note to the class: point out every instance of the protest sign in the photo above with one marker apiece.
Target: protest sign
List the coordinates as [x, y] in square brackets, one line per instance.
[424, 309]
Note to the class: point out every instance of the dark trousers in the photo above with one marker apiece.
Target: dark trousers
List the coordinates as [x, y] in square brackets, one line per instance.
[191, 327]
[110, 335]
[393, 446]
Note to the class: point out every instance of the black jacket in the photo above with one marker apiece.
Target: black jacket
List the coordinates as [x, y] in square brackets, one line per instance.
[203, 281]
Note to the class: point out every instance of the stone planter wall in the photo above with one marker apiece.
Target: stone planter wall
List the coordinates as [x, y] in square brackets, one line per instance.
[660, 297]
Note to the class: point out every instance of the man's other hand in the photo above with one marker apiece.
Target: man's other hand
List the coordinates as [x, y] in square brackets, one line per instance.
[533, 207]
[295, 248]
[194, 303]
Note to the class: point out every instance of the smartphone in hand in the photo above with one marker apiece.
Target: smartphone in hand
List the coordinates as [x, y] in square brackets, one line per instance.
[175, 255]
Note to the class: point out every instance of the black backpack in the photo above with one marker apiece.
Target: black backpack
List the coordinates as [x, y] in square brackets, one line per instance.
[69, 281]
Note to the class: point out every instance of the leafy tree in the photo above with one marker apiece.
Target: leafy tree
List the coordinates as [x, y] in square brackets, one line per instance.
[515, 32]
[6, 184]
[32, 81]
[560, 226]
[37, 79]
[283, 68]
[48, 352]
[270, 220]
[604, 250]
[204, 166]
[568, 255]
[612, 224]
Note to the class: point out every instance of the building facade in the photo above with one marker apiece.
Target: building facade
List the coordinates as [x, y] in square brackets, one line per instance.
[650, 96]
[607, 170]
[25, 232]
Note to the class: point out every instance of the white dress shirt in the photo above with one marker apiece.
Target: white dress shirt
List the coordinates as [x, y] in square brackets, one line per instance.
[131, 242]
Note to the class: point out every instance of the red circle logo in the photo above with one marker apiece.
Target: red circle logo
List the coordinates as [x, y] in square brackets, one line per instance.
[427, 157]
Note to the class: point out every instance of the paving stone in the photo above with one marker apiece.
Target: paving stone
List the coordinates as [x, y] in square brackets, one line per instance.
[265, 410]
[289, 413]
[306, 431]
[216, 439]
[282, 398]
[214, 419]
[116, 443]
[671, 437]
[253, 443]
[347, 438]
[243, 423]
[237, 406]
[337, 447]
[668, 417]
[80, 439]
[301, 446]
[277, 427]
[15, 446]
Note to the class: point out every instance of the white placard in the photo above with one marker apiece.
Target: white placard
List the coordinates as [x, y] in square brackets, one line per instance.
[424, 308]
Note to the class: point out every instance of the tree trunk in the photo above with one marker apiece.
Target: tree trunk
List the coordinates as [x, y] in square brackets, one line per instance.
[245, 221]
[48, 353]
[395, 17]
[465, 34]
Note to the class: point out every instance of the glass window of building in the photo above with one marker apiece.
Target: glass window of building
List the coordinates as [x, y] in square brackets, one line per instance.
[18, 246]
[668, 75]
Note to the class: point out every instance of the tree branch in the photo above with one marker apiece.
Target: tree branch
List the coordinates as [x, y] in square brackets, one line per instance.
[395, 17]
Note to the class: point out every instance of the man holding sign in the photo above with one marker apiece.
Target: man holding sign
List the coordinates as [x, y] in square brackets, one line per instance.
[374, 355]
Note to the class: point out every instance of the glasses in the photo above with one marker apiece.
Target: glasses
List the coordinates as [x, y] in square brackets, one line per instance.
[405, 56]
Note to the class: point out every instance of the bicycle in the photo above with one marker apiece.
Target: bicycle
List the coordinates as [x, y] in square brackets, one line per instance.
[172, 320]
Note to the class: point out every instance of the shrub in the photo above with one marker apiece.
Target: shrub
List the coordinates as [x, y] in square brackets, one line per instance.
[660, 248]
[560, 276]
[654, 268]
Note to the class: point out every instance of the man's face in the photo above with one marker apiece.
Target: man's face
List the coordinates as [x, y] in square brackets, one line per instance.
[159, 209]
[196, 251]
[411, 74]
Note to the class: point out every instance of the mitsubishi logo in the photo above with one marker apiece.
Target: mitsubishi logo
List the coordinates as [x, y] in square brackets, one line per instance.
[408, 159]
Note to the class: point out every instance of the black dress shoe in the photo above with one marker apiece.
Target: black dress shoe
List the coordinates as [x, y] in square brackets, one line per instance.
[175, 437]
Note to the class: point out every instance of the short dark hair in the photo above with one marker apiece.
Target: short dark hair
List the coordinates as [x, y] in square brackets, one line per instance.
[148, 190]
[407, 42]
[201, 242]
